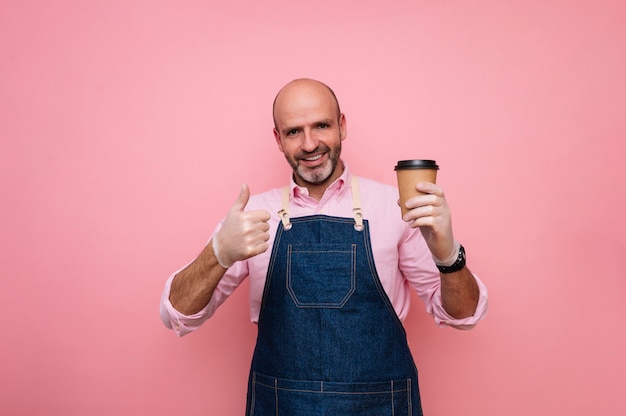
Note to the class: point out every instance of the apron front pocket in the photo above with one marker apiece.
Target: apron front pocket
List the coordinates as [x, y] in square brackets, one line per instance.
[283, 397]
[323, 277]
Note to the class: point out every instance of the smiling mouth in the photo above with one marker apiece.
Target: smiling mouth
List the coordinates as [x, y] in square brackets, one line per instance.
[312, 158]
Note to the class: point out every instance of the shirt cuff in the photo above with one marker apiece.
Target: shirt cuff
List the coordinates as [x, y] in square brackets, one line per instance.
[181, 324]
[443, 319]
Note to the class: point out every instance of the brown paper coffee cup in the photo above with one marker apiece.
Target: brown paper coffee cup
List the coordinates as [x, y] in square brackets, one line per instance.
[410, 173]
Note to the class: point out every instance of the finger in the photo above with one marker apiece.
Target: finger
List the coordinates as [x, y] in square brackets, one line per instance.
[261, 248]
[420, 212]
[264, 215]
[422, 201]
[429, 188]
[242, 199]
[260, 215]
[428, 222]
[255, 245]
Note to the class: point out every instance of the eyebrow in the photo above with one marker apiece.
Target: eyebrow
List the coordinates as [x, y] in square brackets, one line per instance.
[325, 121]
[328, 121]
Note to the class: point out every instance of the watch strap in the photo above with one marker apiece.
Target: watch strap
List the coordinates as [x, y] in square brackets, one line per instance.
[457, 265]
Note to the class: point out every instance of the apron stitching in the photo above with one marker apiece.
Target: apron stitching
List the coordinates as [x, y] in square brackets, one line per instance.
[393, 410]
[323, 388]
[253, 394]
[377, 283]
[408, 397]
[276, 393]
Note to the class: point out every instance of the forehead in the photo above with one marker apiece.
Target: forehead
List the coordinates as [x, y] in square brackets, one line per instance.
[302, 102]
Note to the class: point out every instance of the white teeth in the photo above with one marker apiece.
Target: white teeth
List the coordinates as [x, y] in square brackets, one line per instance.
[311, 159]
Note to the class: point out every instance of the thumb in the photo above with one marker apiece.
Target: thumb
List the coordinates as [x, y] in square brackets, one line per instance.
[242, 199]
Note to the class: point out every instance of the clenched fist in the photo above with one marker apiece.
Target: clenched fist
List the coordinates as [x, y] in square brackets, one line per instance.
[244, 234]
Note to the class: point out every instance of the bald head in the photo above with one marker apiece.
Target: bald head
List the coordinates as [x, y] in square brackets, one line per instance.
[302, 89]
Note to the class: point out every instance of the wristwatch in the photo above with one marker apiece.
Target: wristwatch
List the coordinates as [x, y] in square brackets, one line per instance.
[457, 265]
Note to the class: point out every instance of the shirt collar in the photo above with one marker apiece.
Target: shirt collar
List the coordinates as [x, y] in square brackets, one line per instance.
[338, 187]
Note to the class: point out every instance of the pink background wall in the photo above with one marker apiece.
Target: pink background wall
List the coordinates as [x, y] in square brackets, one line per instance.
[127, 126]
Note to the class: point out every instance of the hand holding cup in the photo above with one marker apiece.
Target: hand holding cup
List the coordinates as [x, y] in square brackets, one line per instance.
[427, 207]
[409, 174]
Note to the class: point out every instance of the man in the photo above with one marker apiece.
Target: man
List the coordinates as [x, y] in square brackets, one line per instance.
[330, 295]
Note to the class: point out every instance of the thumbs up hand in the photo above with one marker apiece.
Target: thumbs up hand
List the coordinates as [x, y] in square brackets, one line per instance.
[244, 234]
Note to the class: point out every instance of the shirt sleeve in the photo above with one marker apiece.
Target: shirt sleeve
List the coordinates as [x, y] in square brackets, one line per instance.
[183, 324]
[442, 318]
[422, 273]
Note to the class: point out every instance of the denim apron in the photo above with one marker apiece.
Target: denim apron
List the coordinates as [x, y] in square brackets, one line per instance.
[329, 341]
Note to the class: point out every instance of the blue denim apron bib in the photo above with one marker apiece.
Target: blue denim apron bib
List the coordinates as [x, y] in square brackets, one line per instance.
[329, 341]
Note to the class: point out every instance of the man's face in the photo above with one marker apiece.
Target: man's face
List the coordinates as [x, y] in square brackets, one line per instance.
[309, 132]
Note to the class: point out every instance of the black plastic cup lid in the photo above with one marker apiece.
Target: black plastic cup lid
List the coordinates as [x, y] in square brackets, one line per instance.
[416, 164]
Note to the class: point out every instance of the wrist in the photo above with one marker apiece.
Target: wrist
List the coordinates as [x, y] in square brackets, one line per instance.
[449, 261]
[216, 252]
[458, 264]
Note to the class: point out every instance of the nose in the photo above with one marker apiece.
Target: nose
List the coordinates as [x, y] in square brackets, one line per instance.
[310, 142]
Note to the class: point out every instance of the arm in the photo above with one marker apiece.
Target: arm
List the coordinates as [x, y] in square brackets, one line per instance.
[193, 286]
[430, 212]
[243, 234]
[459, 293]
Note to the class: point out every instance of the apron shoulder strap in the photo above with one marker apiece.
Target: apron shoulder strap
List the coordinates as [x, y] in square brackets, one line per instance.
[284, 212]
[357, 212]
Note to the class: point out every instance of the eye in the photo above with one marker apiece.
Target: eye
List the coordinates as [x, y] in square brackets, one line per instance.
[292, 132]
[323, 126]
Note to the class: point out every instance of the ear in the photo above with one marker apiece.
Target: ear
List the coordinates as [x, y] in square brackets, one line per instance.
[343, 126]
[277, 138]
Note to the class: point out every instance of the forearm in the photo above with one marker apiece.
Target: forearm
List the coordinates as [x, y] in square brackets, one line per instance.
[193, 286]
[459, 293]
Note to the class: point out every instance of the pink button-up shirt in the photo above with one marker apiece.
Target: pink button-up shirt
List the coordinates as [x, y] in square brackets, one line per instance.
[401, 255]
